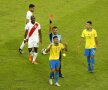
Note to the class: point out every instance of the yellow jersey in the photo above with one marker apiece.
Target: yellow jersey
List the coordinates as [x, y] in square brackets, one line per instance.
[55, 51]
[90, 38]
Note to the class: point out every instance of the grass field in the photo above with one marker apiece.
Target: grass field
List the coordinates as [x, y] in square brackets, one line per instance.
[17, 73]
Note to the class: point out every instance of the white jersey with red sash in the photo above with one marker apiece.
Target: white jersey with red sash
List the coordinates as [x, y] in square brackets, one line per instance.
[33, 31]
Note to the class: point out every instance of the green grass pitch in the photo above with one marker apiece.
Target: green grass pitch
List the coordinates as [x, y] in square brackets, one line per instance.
[17, 73]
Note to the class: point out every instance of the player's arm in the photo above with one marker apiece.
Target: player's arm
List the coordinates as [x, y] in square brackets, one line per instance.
[25, 36]
[48, 48]
[27, 21]
[65, 47]
[64, 50]
[96, 40]
[81, 39]
[50, 24]
[40, 36]
[45, 51]
[26, 33]
[28, 17]
[80, 42]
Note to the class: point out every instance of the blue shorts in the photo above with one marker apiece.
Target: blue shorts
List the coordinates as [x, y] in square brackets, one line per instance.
[54, 64]
[90, 52]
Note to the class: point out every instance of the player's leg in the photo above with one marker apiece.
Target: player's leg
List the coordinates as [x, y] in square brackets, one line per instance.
[89, 62]
[87, 54]
[57, 72]
[92, 63]
[92, 53]
[60, 58]
[30, 54]
[60, 75]
[35, 46]
[35, 55]
[21, 47]
[52, 71]
[30, 48]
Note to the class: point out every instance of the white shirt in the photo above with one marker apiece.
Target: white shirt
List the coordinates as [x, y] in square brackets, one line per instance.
[35, 35]
[28, 15]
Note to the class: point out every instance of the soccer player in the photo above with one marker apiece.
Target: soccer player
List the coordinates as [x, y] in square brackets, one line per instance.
[53, 31]
[28, 19]
[55, 48]
[90, 35]
[33, 35]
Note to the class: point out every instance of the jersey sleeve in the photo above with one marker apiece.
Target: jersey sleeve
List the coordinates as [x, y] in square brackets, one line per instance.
[95, 34]
[83, 34]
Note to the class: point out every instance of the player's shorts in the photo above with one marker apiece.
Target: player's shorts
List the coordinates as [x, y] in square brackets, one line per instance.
[90, 52]
[32, 44]
[54, 64]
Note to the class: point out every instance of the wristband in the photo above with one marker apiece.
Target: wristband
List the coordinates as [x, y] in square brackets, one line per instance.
[50, 21]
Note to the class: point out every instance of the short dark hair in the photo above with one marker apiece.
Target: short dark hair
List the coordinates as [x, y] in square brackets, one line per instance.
[32, 16]
[55, 37]
[31, 5]
[54, 27]
[90, 22]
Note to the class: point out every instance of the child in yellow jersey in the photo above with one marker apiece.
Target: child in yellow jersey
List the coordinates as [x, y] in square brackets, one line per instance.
[54, 61]
[90, 36]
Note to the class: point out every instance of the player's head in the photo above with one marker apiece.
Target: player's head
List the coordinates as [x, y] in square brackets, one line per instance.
[32, 19]
[55, 39]
[88, 25]
[55, 30]
[31, 7]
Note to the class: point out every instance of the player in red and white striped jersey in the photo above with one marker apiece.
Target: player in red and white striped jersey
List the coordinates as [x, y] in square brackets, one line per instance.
[34, 36]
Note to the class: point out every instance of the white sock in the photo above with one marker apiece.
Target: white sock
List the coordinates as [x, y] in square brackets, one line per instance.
[34, 56]
[22, 45]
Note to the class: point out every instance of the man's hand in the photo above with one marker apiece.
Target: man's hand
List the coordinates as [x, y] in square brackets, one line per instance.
[25, 40]
[51, 17]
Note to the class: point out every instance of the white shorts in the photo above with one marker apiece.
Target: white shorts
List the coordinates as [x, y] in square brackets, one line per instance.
[32, 44]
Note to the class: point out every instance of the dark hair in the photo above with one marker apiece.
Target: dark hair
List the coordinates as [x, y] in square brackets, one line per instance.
[90, 22]
[54, 27]
[55, 37]
[31, 5]
[32, 16]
